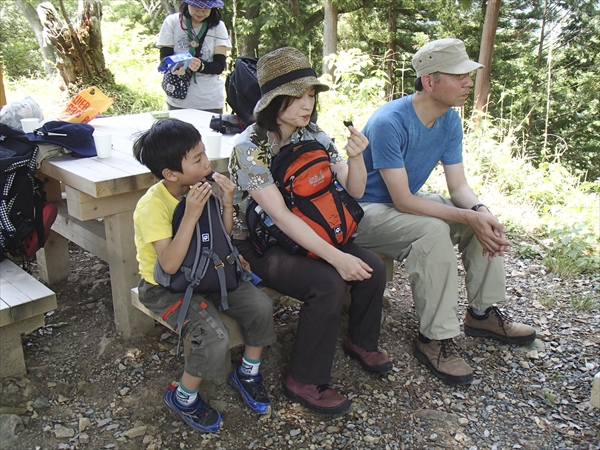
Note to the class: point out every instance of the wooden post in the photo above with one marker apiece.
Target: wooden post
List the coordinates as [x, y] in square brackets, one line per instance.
[2, 93]
[482, 83]
[329, 36]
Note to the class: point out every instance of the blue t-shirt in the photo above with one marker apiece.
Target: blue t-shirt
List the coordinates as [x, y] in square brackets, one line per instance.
[397, 138]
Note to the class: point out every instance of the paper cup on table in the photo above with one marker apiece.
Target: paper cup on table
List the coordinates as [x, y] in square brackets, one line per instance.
[30, 124]
[212, 144]
[103, 143]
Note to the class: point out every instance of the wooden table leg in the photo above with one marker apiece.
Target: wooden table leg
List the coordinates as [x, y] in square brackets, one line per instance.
[124, 275]
[53, 259]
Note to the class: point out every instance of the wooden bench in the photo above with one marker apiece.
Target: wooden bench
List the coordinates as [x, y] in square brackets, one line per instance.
[23, 303]
[235, 332]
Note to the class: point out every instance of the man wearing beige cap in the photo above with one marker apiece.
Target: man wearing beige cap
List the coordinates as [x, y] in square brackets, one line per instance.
[408, 137]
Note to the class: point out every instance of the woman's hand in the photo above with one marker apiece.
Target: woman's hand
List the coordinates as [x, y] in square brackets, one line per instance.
[351, 268]
[357, 142]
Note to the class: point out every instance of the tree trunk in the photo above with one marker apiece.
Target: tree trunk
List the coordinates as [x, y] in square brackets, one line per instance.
[169, 6]
[391, 51]
[329, 36]
[46, 50]
[251, 40]
[80, 59]
[2, 91]
[541, 44]
[294, 8]
[482, 83]
[232, 33]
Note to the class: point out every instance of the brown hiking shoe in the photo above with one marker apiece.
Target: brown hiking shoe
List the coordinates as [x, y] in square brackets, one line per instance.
[443, 360]
[318, 397]
[375, 361]
[496, 325]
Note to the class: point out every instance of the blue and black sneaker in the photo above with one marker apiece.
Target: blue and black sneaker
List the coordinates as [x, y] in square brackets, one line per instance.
[252, 391]
[200, 416]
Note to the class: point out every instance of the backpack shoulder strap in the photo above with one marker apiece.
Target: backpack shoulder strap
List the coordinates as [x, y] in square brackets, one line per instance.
[234, 256]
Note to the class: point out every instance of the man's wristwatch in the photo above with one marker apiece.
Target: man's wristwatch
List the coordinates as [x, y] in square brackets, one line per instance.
[479, 205]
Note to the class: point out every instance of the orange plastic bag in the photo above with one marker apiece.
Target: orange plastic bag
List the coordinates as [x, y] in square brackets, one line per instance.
[86, 105]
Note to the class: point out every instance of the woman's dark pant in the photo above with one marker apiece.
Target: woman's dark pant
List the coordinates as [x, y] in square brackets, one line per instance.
[321, 289]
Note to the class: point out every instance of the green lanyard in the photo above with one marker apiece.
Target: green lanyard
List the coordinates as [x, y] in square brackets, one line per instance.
[195, 38]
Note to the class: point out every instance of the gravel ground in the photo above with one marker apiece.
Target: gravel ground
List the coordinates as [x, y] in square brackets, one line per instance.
[87, 388]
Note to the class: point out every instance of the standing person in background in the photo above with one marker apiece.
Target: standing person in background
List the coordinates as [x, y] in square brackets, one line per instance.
[198, 29]
[407, 139]
[289, 90]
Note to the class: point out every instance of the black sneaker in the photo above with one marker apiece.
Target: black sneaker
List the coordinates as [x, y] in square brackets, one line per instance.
[252, 391]
[200, 416]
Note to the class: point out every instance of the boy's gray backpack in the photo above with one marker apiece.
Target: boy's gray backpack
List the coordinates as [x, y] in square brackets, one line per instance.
[212, 263]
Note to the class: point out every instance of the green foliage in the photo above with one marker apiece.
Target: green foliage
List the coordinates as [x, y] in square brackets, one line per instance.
[558, 206]
[147, 14]
[137, 79]
[525, 252]
[19, 51]
[278, 26]
[357, 90]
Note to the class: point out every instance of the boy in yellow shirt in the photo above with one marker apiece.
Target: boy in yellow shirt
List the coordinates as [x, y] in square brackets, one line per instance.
[174, 153]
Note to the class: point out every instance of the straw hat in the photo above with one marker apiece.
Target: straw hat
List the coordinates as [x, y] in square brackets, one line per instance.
[285, 71]
[205, 5]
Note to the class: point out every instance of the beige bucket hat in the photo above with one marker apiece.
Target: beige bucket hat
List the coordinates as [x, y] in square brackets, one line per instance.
[285, 71]
[444, 55]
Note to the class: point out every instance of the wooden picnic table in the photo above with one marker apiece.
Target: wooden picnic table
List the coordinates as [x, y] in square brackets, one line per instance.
[96, 199]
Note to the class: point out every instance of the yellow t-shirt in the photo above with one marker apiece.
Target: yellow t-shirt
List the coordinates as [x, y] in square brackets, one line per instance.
[152, 221]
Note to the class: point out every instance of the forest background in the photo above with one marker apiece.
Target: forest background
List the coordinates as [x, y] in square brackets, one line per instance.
[532, 150]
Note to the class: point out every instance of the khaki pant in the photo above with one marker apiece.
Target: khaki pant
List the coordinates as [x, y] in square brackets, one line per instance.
[426, 245]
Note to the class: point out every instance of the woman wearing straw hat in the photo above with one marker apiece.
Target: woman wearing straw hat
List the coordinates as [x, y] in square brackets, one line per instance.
[199, 30]
[289, 88]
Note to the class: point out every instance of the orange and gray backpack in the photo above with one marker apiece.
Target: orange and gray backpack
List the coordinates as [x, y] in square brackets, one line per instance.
[302, 171]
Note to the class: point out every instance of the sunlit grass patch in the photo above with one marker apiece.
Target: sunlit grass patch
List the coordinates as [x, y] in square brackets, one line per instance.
[585, 303]
[547, 300]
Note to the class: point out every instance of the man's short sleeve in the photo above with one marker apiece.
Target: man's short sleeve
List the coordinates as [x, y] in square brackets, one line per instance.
[453, 153]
